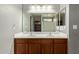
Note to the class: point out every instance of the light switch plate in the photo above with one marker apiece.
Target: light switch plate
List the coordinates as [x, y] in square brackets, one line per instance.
[74, 27]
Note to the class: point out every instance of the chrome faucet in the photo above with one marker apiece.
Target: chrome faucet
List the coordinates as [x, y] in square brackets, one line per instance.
[31, 33]
[49, 33]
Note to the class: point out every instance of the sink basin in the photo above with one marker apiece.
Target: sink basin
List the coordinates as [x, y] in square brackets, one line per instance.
[21, 34]
[42, 35]
[59, 34]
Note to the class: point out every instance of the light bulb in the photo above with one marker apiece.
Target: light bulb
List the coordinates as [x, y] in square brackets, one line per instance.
[33, 8]
[38, 8]
[55, 20]
[43, 8]
[49, 7]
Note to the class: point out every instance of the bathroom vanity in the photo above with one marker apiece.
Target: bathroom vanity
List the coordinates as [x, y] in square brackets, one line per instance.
[54, 42]
[31, 44]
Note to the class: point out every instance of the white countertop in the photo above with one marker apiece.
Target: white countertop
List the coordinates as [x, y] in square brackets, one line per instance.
[40, 35]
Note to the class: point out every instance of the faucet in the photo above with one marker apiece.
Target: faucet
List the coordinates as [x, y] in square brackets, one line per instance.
[49, 33]
[31, 33]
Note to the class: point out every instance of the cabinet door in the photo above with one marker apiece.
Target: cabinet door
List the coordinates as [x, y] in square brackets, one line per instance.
[60, 46]
[21, 46]
[47, 46]
[34, 46]
[59, 49]
[20, 49]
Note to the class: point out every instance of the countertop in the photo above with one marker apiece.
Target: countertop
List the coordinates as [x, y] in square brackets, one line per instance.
[40, 35]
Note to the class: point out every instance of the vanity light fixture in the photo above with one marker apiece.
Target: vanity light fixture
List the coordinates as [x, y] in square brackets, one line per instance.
[41, 8]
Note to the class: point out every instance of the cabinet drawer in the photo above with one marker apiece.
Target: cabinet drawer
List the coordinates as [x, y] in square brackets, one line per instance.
[59, 46]
[34, 41]
[46, 41]
[20, 41]
[60, 41]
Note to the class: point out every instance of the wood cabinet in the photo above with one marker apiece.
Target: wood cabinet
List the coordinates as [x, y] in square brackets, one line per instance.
[34, 46]
[46, 46]
[20, 46]
[60, 46]
[40, 46]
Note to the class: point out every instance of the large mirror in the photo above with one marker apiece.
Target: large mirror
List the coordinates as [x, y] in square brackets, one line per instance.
[42, 17]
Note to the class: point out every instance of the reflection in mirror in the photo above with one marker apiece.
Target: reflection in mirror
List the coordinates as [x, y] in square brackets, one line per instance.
[62, 17]
[42, 23]
[62, 20]
[35, 23]
[48, 24]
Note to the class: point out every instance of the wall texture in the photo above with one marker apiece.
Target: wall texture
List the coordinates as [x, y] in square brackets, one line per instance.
[73, 34]
[10, 23]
